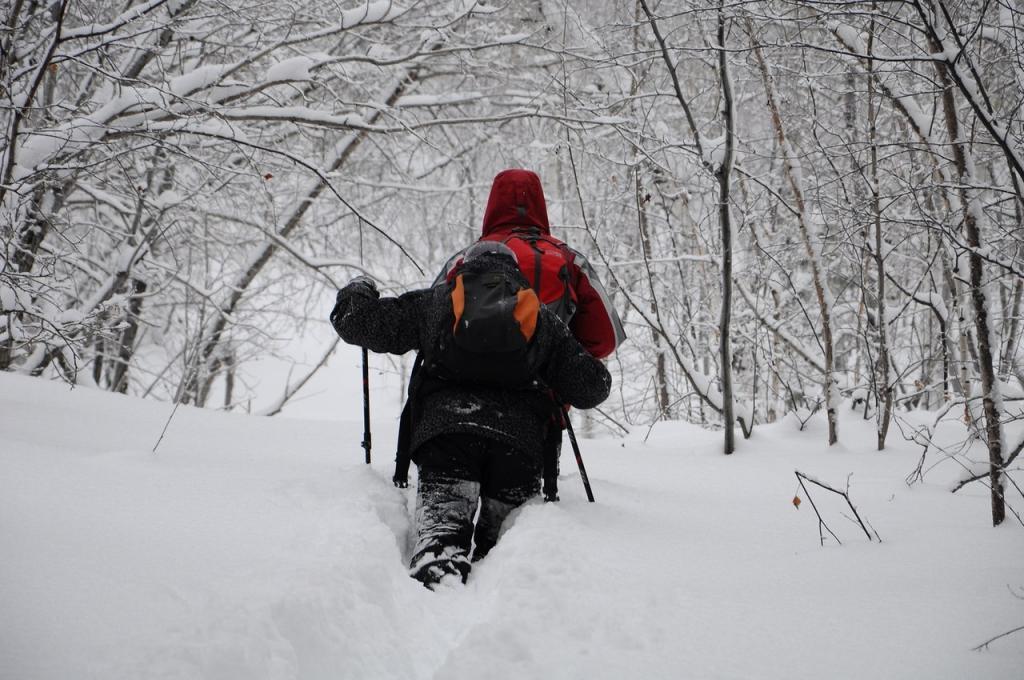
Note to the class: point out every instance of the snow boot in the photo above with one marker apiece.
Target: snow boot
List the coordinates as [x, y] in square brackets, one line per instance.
[492, 515]
[447, 568]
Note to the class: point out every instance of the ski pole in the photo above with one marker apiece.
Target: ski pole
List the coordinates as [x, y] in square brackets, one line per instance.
[366, 404]
[579, 457]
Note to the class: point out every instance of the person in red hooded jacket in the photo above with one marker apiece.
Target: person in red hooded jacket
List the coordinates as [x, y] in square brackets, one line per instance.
[517, 215]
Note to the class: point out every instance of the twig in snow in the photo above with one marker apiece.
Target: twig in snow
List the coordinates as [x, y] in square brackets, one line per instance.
[986, 643]
[177, 403]
[801, 477]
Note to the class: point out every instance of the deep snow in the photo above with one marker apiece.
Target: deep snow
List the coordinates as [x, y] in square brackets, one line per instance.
[251, 547]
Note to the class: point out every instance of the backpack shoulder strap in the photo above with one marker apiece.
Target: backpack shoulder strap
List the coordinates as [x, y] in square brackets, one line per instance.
[403, 453]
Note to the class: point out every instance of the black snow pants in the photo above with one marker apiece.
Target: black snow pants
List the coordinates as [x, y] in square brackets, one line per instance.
[459, 474]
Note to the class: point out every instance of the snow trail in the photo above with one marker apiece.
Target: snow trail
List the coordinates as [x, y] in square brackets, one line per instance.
[264, 548]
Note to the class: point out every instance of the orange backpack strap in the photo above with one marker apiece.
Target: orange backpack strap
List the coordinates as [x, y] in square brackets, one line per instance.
[458, 301]
[526, 311]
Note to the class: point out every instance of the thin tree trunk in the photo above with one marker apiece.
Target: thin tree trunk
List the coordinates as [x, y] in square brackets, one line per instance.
[991, 398]
[724, 175]
[661, 378]
[126, 348]
[883, 386]
[824, 295]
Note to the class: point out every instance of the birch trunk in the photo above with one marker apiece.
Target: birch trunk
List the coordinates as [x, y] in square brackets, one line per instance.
[883, 382]
[972, 220]
[822, 292]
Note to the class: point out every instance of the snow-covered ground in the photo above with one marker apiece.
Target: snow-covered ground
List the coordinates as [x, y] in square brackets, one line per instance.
[249, 548]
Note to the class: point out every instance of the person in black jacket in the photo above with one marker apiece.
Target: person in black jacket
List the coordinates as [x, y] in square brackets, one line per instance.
[473, 444]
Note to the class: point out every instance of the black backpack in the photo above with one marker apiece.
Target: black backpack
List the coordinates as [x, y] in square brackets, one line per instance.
[488, 337]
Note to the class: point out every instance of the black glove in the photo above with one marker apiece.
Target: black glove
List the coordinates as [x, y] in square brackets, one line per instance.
[362, 286]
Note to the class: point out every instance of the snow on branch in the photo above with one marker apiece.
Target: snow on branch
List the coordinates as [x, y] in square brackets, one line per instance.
[376, 12]
[299, 115]
[125, 18]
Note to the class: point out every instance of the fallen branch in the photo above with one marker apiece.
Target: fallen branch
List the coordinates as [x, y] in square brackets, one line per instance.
[986, 643]
[801, 478]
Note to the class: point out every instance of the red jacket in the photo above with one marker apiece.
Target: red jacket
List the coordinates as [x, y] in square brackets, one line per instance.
[516, 202]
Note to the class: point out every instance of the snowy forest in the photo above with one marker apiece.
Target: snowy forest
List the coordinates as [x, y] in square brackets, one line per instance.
[797, 207]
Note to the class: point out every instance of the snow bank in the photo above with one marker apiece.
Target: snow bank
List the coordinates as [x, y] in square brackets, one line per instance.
[263, 548]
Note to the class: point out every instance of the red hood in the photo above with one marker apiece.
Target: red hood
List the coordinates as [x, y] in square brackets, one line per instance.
[516, 200]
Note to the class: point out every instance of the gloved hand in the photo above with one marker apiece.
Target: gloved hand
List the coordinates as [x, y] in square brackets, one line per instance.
[359, 288]
[362, 286]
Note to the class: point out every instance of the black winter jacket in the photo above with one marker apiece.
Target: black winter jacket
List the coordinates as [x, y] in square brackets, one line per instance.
[416, 320]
